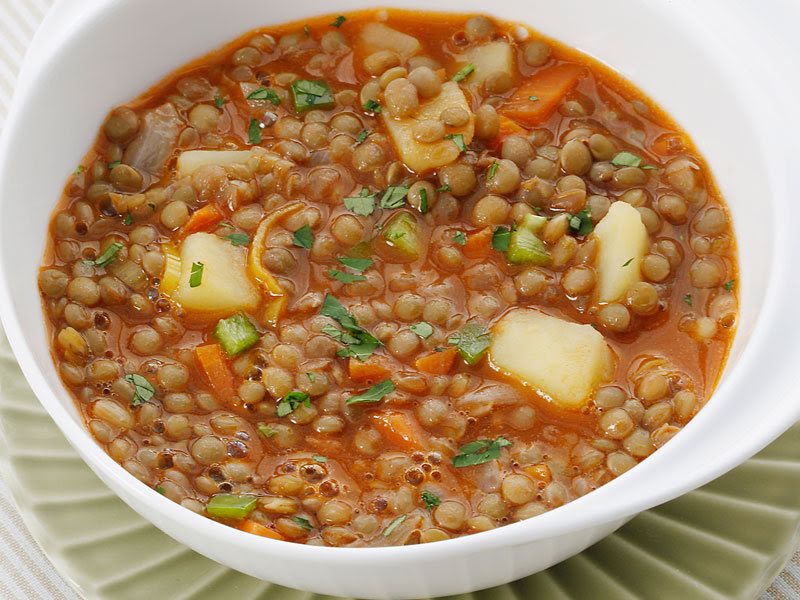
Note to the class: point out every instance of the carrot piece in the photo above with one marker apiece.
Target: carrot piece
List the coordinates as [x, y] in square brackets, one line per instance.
[549, 86]
[203, 219]
[437, 363]
[214, 366]
[507, 128]
[398, 430]
[371, 370]
[255, 528]
[479, 244]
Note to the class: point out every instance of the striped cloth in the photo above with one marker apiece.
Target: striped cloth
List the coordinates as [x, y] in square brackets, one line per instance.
[25, 572]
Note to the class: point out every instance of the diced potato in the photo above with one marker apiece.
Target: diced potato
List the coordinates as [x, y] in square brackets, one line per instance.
[377, 36]
[490, 58]
[622, 242]
[419, 156]
[224, 286]
[565, 361]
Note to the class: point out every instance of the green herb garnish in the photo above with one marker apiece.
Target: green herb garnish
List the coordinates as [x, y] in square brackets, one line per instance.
[363, 204]
[219, 101]
[423, 200]
[362, 136]
[688, 299]
[303, 237]
[374, 394]
[394, 525]
[627, 262]
[729, 285]
[238, 239]
[266, 430]
[472, 342]
[357, 264]
[458, 140]
[359, 343]
[345, 277]
[310, 94]
[337, 22]
[109, 255]
[263, 93]
[143, 390]
[479, 452]
[464, 72]
[629, 159]
[113, 164]
[394, 196]
[196, 274]
[443, 188]
[303, 522]
[492, 170]
[320, 459]
[581, 224]
[460, 238]
[372, 106]
[127, 219]
[501, 238]
[292, 401]
[78, 170]
[423, 329]
[533, 98]
[160, 490]
[430, 499]
[254, 132]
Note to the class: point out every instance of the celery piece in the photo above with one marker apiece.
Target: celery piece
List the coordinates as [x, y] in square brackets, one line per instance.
[231, 506]
[524, 248]
[236, 334]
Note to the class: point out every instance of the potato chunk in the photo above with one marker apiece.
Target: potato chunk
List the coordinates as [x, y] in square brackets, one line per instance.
[420, 156]
[224, 286]
[377, 36]
[623, 241]
[564, 361]
[494, 57]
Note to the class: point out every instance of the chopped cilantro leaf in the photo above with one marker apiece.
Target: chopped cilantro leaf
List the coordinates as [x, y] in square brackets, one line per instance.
[463, 73]
[303, 237]
[581, 224]
[357, 264]
[374, 394]
[143, 390]
[219, 101]
[394, 196]
[430, 499]
[688, 299]
[238, 239]
[372, 106]
[492, 170]
[459, 238]
[266, 430]
[254, 132]
[627, 262]
[501, 238]
[109, 255]
[196, 274]
[423, 200]
[363, 204]
[458, 140]
[303, 522]
[729, 285]
[345, 277]
[337, 22]
[479, 452]
[362, 136]
[292, 401]
[423, 329]
[263, 93]
[471, 341]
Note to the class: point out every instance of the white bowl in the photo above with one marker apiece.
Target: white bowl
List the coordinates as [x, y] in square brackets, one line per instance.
[98, 53]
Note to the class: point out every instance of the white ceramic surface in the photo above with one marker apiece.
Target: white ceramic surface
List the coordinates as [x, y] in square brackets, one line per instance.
[110, 50]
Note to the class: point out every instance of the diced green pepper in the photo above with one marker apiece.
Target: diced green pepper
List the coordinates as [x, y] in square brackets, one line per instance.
[533, 223]
[524, 248]
[401, 233]
[231, 506]
[311, 94]
[236, 334]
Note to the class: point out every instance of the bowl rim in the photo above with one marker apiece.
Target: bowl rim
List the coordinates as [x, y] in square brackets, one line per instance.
[578, 514]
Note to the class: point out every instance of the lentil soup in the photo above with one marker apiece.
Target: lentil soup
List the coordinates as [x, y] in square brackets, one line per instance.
[386, 278]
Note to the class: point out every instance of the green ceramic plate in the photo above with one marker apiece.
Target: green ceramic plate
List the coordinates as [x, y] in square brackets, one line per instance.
[725, 541]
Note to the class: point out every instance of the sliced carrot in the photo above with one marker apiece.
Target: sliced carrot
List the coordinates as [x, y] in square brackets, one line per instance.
[373, 369]
[255, 528]
[214, 366]
[479, 244]
[437, 363]
[549, 87]
[203, 219]
[397, 429]
[507, 128]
